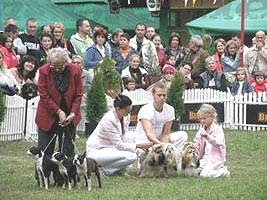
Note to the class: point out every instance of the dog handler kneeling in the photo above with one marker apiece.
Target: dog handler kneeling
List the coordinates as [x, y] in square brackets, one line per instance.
[155, 121]
[110, 144]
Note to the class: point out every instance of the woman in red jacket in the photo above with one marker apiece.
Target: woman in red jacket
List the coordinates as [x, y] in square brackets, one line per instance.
[60, 88]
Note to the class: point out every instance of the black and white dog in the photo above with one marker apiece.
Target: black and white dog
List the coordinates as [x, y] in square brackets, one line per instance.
[44, 166]
[84, 168]
[66, 168]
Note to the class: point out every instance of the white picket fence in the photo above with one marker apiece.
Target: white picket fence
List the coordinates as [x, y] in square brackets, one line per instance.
[234, 111]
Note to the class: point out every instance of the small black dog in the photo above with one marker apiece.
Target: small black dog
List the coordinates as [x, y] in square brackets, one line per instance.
[84, 168]
[44, 166]
[66, 168]
[29, 91]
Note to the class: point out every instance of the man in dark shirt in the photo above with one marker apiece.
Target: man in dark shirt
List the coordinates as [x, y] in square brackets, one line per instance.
[29, 39]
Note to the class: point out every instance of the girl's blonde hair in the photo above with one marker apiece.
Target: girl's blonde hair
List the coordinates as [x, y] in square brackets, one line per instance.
[207, 110]
[60, 26]
[228, 43]
[134, 56]
[242, 69]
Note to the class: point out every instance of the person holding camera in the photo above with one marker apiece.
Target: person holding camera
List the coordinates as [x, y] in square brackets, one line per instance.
[58, 113]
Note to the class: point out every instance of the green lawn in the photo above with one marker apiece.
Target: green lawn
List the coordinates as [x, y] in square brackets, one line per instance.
[246, 160]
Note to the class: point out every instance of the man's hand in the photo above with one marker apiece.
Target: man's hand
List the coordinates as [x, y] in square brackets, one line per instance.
[144, 146]
[259, 45]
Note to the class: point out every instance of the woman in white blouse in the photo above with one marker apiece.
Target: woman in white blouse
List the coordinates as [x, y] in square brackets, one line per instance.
[111, 145]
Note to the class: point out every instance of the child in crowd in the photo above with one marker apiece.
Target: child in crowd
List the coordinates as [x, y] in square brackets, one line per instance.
[185, 70]
[210, 142]
[241, 85]
[170, 60]
[129, 84]
[259, 84]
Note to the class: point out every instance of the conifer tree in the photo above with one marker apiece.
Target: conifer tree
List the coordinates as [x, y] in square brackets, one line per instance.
[112, 80]
[175, 95]
[2, 108]
[96, 104]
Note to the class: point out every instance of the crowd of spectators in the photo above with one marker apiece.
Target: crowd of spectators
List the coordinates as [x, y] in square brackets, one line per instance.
[201, 62]
[62, 69]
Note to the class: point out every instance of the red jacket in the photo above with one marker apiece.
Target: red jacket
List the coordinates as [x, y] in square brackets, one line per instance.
[50, 98]
[11, 59]
[218, 62]
[259, 87]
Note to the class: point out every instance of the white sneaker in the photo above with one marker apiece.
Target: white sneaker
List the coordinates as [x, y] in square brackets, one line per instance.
[102, 173]
[226, 173]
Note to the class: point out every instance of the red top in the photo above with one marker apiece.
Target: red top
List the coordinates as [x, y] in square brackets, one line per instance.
[259, 87]
[10, 57]
[50, 98]
[218, 62]
[161, 56]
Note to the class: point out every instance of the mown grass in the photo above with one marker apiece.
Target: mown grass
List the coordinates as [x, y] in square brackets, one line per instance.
[246, 159]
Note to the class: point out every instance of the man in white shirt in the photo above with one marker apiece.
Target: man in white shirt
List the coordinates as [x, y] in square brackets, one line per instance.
[155, 121]
[145, 48]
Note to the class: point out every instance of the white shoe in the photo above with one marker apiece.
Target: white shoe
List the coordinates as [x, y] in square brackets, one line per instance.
[227, 173]
[102, 173]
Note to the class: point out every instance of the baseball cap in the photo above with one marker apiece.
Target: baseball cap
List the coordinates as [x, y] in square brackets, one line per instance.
[168, 68]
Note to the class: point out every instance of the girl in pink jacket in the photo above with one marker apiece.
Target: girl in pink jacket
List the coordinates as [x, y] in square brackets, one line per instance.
[211, 144]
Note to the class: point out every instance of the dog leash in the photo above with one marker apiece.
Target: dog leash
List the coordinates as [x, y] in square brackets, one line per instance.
[63, 138]
[68, 131]
[62, 142]
[55, 135]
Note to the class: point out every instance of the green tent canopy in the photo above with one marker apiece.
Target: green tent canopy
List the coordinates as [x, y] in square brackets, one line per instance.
[100, 12]
[43, 11]
[227, 19]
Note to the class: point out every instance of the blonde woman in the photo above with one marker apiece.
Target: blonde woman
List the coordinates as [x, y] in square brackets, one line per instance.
[134, 71]
[219, 45]
[59, 40]
[230, 61]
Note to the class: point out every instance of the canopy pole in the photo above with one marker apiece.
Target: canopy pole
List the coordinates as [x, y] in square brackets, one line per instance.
[242, 34]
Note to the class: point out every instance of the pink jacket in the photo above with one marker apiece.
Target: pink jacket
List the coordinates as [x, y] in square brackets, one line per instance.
[216, 138]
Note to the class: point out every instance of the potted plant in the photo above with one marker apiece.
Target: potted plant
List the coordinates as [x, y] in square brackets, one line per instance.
[175, 98]
[2, 108]
[96, 104]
